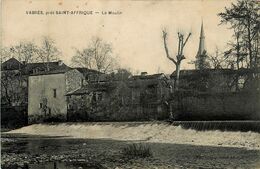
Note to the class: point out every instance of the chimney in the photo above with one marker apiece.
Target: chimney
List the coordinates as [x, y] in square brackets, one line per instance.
[143, 73]
[60, 62]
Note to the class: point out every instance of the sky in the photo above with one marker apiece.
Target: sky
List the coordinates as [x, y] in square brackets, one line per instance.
[135, 34]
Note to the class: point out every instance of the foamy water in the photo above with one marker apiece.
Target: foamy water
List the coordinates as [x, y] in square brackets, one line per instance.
[147, 132]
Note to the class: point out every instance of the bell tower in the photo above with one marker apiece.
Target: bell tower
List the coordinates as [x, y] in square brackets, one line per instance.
[201, 54]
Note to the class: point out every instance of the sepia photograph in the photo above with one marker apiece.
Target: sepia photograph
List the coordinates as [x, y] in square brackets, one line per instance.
[133, 84]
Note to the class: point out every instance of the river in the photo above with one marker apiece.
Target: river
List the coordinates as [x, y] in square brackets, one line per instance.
[46, 152]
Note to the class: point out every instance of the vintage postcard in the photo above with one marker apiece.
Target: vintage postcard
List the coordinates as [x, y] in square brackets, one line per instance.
[130, 84]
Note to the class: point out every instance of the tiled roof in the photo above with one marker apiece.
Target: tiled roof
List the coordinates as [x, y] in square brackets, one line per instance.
[79, 91]
[86, 71]
[54, 67]
[11, 64]
[56, 71]
[98, 87]
[35, 68]
[133, 82]
[153, 76]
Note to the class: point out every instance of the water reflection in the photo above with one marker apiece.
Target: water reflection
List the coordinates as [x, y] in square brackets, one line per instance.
[39, 146]
[60, 165]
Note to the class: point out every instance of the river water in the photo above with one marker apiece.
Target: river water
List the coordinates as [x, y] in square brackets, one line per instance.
[45, 152]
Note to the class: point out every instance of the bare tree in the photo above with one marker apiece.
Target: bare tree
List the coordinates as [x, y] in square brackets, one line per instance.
[82, 58]
[24, 51]
[13, 82]
[179, 56]
[219, 60]
[237, 52]
[244, 16]
[47, 51]
[29, 52]
[5, 54]
[97, 56]
[13, 87]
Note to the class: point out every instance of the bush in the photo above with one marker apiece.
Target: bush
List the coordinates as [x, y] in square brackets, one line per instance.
[137, 150]
[13, 117]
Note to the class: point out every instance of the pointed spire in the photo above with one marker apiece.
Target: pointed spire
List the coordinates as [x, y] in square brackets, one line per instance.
[200, 57]
[202, 41]
[202, 31]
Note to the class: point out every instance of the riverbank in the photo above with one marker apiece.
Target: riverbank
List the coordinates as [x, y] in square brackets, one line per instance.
[43, 152]
[150, 132]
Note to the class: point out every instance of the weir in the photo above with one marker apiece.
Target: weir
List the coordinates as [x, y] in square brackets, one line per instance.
[178, 132]
[242, 126]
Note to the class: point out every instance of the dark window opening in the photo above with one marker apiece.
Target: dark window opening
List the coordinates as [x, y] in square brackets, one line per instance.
[49, 112]
[54, 93]
[99, 97]
[40, 105]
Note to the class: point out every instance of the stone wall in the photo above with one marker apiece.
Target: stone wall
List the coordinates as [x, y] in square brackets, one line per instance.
[74, 80]
[217, 106]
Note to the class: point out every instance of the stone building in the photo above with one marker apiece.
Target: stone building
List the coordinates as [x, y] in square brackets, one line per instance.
[14, 79]
[48, 90]
[14, 88]
[142, 97]
[46, 93]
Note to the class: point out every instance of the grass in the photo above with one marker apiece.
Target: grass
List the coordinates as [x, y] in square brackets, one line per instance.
[137, 150]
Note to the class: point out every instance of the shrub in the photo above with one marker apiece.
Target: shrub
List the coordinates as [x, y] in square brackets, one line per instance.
[137, 150]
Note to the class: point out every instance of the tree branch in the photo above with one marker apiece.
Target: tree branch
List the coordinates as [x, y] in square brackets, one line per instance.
[166, 48]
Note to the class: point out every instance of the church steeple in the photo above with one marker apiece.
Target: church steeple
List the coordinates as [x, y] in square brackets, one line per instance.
[201, 54]
[202, 41]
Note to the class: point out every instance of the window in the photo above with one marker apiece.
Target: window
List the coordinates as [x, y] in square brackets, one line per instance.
[49, 111]
[36, 70]
[54, 93]
[40, 105]
[241, 82]
[82, 82]
[99, 96]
